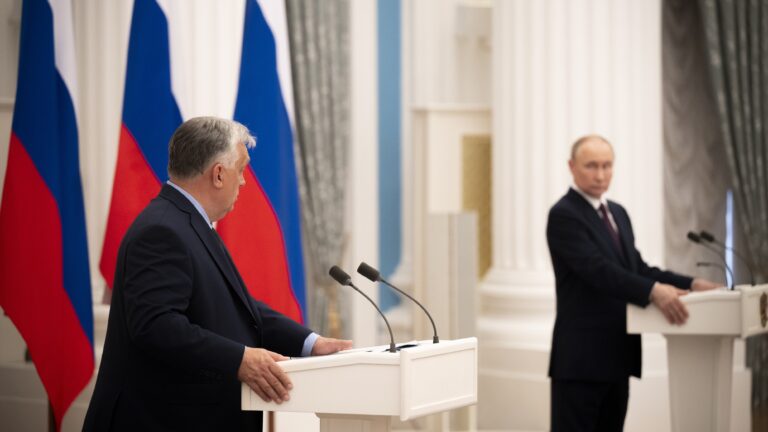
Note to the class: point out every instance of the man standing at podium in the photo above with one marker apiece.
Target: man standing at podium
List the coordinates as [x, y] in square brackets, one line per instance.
[598, 271]
[183, 330]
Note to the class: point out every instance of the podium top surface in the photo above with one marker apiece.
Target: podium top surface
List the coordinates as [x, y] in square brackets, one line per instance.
[741, 312]
[377, 355]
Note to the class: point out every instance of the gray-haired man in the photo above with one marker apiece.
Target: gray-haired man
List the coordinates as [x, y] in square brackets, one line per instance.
[183, 330]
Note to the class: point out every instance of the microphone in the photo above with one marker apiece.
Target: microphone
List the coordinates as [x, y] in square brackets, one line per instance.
[374, 275]
[711, 239]
[711, 264]
[692, 236]
[344, 279]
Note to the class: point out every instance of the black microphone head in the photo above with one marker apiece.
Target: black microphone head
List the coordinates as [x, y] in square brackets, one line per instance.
[692, 236]
[369, 272]
[707, 236]
[340, 275]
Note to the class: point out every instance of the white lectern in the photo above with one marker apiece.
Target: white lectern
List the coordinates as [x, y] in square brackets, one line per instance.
[700, 352]
[359, 390]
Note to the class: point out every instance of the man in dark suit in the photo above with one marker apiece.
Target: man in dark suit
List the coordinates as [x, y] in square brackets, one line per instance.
[183, 331]
[598, 271]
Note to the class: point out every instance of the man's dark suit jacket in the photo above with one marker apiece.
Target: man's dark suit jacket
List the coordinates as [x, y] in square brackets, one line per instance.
[178, 324]
[594, 283]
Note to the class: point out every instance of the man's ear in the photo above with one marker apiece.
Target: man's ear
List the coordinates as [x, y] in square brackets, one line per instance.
[216, 175]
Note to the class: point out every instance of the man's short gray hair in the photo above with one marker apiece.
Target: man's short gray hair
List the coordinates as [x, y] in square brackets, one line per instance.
[200, 141]
[586, 138]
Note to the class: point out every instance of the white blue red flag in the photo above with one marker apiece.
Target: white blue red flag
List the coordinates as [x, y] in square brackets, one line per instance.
[45, 284]
[263, 233]
[150, 116]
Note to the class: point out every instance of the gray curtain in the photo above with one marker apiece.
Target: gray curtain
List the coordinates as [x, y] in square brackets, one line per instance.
[318, 33]
[696, 179]
[737, 41]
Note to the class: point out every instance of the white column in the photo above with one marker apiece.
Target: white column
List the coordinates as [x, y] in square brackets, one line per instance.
[562, 69]
[362, 195]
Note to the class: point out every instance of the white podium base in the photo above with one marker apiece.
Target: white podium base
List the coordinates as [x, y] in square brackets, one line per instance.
[700, 382]
[354, 423]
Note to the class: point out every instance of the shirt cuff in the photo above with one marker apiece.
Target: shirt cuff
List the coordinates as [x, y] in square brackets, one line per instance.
[309, 343]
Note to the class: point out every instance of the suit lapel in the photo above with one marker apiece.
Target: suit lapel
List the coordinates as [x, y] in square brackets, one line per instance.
[597, 224]
[624, 231]
[227, 268]
[211, 243]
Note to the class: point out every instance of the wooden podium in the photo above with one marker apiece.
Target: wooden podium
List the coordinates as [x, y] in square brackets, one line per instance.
[360, 389]
[700, 352]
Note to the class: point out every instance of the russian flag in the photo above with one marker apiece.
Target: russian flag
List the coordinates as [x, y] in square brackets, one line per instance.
[45, 284]
[263, 233]
[150, 116]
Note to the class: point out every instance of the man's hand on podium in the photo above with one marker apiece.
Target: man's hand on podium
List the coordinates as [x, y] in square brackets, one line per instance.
[700, 284]
[262, 374]
[324, 346]
[667, 299]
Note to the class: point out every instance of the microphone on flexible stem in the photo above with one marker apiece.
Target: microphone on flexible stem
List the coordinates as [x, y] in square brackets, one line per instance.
[343, 278]
[692, 236]
[710, 238]
[711, 264]
[375, 276]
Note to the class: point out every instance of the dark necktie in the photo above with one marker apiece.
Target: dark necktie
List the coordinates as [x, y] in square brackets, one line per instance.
[610, 228]
[224, 250]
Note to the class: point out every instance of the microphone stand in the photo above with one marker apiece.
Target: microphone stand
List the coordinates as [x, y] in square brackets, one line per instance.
[344, 279]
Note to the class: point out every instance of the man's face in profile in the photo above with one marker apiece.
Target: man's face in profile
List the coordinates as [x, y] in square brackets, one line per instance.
[592, 167]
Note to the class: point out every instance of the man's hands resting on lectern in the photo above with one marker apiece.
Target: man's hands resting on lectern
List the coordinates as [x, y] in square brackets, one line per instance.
[260, 371]
[700, 284]
[325, 346]
[667, 299]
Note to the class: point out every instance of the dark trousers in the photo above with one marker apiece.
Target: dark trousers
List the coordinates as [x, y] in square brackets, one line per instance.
[589, 406]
